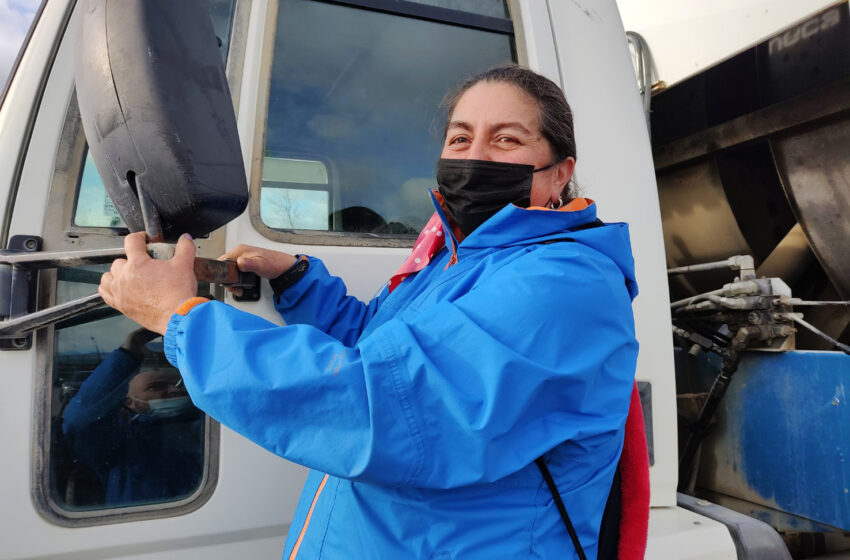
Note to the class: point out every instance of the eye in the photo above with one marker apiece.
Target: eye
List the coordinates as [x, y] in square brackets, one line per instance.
[507, 140]
[458, 140]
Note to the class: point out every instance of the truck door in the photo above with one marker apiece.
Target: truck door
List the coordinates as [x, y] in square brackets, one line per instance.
[337, 107]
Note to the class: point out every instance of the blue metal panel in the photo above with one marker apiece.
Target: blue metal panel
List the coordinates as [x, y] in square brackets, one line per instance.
[783, 435]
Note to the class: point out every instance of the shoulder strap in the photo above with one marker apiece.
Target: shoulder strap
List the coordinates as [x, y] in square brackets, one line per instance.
[550, 482]
[544, 470]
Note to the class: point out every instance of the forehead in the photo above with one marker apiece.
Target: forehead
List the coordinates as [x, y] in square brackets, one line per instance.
[154, 376]
[496, 102]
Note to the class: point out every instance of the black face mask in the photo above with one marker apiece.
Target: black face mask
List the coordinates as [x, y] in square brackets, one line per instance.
[474, 190]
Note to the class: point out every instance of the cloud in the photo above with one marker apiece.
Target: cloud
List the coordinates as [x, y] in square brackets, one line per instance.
[332, 126]
[15, 19]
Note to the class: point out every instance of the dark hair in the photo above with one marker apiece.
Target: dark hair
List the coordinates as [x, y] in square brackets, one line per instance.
[556, 117]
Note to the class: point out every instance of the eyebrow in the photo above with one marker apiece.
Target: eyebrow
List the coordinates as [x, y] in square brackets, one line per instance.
[498, 126]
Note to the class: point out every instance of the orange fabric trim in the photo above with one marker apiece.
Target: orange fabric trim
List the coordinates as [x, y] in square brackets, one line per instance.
[574, 205]
[190, 304]
[455, 230]
[295, 548]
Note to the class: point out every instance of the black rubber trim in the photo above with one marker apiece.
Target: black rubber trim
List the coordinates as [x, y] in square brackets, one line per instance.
[432, 13]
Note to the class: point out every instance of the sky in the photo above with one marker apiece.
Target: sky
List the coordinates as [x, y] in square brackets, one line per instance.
[15, 19]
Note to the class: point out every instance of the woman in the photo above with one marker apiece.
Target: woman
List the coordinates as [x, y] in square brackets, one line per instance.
[507, 336]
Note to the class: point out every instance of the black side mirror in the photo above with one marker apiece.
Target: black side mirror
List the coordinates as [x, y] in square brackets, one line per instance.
[158, 115]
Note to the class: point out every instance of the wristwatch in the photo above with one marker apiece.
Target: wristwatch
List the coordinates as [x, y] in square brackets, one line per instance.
[292, 275]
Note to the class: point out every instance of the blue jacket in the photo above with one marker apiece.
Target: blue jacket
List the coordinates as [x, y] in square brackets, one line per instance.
[427, 406]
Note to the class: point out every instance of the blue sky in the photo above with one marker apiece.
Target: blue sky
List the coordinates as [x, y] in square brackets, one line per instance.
[15, 19]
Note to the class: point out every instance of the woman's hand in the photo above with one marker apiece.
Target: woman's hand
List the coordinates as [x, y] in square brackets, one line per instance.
[136, 341]
[149, 291]
[263, 262]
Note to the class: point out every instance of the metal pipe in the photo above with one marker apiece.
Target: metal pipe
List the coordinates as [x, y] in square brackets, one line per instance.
[61, 259]
[738, 262]
[150, 215]
[794, 301]
[797, 319]
[644, 69]
[34, 321]
[731, 359]
[689, 300]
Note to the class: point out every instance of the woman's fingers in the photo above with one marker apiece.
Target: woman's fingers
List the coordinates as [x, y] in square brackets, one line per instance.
[264, 262]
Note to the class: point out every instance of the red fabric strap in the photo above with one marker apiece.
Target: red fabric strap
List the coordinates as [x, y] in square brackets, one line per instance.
[634, 472]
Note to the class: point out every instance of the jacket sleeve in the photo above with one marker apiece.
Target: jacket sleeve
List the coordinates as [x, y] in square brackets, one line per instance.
[466, 391]
[101, 394]
[90, 421]
[321, 300]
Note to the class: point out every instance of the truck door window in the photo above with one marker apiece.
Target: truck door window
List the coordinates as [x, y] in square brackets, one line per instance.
[123, 429]
[353, 102]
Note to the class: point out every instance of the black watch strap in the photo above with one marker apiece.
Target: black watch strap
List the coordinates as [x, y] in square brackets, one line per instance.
[292, 275]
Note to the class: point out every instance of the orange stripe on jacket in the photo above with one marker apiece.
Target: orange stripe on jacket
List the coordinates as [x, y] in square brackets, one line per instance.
[190, 304]
[307, 519]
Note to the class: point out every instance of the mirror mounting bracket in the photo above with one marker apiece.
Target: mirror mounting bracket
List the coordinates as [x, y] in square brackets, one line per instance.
[18, 287]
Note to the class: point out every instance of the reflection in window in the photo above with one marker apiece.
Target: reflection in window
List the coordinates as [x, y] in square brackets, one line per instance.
[94, 207]
[361, 89]
[123, 429]
[295, 194]
[221, 13]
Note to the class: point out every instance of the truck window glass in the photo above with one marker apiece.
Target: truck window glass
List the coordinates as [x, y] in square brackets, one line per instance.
[353, 129]
[93, 206]
[123, 429]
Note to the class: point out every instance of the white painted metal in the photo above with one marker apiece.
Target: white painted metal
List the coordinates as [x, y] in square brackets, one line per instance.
[688, 36]
[41, 155]
[678, 534]
[614, 166]
[21, 98]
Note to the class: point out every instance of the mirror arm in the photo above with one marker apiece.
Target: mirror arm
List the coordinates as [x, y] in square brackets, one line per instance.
[210, 271]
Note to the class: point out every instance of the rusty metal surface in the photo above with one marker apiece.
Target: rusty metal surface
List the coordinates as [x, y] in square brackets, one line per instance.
[699, 225]
[814, 166]
[829, 101]
[216, 272]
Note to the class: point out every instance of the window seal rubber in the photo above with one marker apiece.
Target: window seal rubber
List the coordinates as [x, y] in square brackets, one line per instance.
[435, 14]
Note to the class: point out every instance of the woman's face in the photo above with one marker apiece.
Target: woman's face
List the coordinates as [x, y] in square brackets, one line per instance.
[497, 121]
